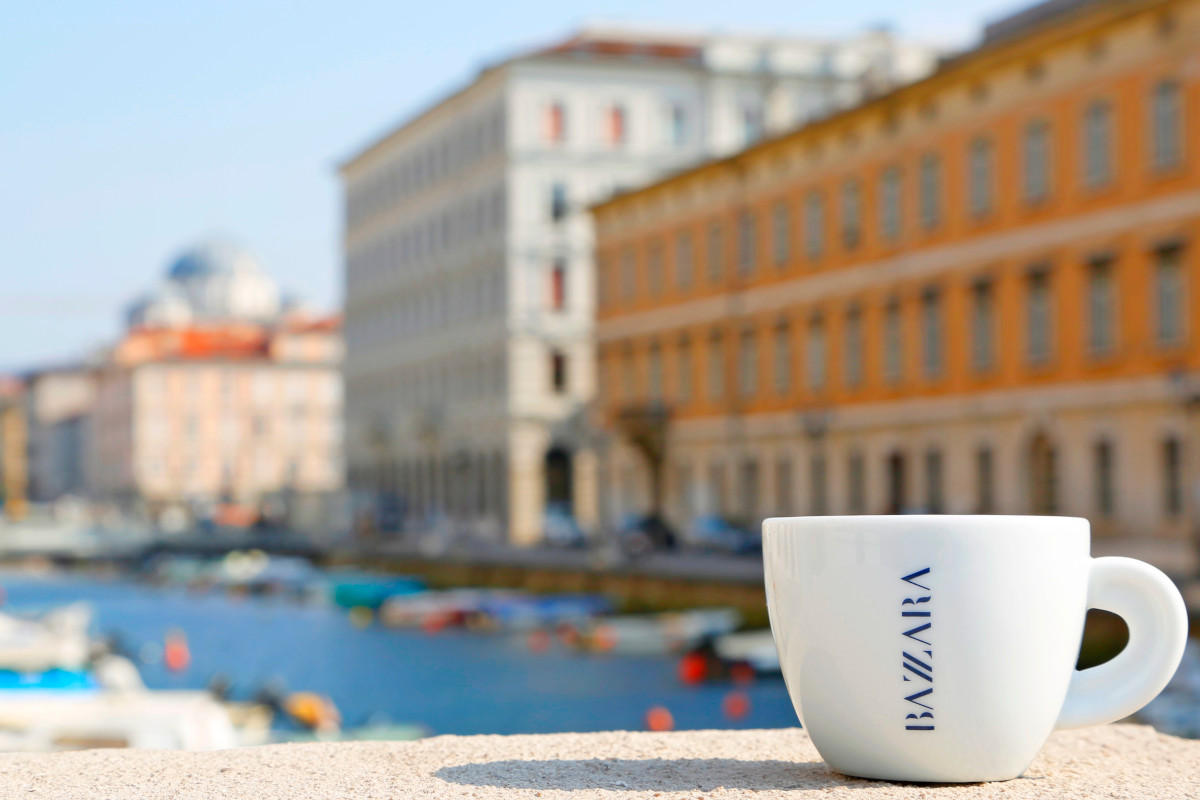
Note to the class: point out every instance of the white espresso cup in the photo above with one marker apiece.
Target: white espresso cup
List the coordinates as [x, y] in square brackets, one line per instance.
[942, 648]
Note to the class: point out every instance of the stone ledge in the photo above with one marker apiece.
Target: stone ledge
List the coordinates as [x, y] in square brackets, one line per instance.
[1118, 761]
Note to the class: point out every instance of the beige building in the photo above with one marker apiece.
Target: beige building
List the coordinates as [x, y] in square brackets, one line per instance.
[219, 400]
[58, 401]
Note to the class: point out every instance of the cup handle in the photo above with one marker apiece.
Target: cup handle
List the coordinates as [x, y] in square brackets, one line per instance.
[1157, 618]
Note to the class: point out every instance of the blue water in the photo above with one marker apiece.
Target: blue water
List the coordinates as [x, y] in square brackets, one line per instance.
[451, 682]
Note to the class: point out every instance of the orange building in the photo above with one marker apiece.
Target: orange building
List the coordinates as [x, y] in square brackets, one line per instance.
[976, 293]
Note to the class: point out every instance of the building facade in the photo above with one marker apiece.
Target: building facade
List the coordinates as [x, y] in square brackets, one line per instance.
[58, 401]
[14, 450]
[468, 252]
[220, 399]
[973, 294]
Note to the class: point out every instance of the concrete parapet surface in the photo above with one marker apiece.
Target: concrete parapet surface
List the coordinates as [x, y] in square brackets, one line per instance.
[1117, 761]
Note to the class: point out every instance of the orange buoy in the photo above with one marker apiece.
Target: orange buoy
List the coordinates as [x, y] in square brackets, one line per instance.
[313, 711]
[176, 654]
[736, 704]
[538, 641]
[693, 668]
[604, 638]
[568, 634]
[659, 719]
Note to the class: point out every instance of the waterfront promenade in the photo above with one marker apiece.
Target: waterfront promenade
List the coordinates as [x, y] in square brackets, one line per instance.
[1116, 761]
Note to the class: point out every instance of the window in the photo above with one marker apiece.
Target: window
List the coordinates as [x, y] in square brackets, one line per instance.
[781, 237]
[933, 481]
[1172, 463]
[716, 247]
[685, 265]
[716, 487]
[616, 124]
[749, 491]
[678, 124]
[628, 274]
[814, 225]
[556, 123]
[1102, 308]
[558, 201]
[1038, 319]
[752, 123]
[889, 204]
[931, 333]
[893, 342]
[931, 191]
[783, 486]
[981, 171]
[818, 486]
[686, 489]
[1167, 125]
[816, 354]
[748, 363]
[1103, 461]
[985, 481]
[716, 366]
[1037, 161]
[747, 246]
[628, 373]
[783, 358]
[1097, 144]
[854, 346]
[1169, 290]
[856, 482]
[654, 268]
[655, 370]
[558, 285]
[851, 213]
[683, 373]
[983, 326]
[558, 371]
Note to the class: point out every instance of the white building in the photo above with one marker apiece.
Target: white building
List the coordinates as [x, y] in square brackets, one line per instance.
[468, 249]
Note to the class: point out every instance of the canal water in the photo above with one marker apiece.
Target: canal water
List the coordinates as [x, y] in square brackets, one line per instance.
[449, 682]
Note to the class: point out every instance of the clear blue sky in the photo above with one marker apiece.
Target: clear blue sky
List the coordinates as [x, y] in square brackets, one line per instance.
[130, 129]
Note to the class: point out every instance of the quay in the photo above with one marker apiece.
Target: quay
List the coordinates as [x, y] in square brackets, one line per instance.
[1115, 761]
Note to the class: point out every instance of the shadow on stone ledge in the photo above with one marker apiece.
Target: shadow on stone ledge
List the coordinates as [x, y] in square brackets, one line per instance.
[649, 774]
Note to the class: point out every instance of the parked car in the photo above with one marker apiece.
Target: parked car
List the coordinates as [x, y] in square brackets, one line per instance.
[641, 534]
[716, 534]
[560, 529]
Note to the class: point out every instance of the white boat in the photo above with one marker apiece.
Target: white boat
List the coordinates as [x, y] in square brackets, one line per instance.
[58, 640]
[651, 634]
[756, 648]
[60, 692]
[44, 721]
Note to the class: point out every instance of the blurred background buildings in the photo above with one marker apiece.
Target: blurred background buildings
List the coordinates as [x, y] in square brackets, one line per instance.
[833, 276]
[973, 294]
[468, 253]
[219, 405]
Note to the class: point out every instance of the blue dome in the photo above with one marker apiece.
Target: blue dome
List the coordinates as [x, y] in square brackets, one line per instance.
[214, 257]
